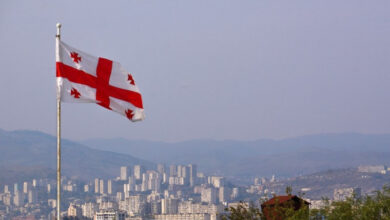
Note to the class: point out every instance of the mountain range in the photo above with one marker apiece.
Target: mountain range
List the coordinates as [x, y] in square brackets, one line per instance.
[287, 157]
[34, 153]
[33, 150]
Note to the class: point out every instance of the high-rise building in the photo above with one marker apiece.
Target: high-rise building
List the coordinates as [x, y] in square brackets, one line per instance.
[185, 174]
[138, 170]
[119, 196]
[209, 195]
[25, 187]
[86, 188]
[134, 205]
[101, 186]
[6, 189]
[89, 209]
[96, 185]
[169, 206]
[172, 170]
[124, 173]
[179, 171]
[132, 184]
[153, 180]
[34, 183]
[16, 188]
[48, 188]
[193, 174]
[109, 187]
[216, 181]
[126, 190]
[145, 180]
[7, 199]
[32, 196]
[161, 169]
[19, 199]
[224, 194]
[155, 207]
[165, 178]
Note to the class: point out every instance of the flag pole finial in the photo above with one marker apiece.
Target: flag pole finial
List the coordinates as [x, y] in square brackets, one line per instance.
[58, 30]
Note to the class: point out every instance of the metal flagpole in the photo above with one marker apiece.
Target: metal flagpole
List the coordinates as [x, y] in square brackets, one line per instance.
[58, 36]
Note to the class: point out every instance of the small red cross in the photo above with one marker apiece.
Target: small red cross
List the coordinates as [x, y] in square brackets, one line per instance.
[130, 79]
[129, 114]
[75, 57]
[75, 93]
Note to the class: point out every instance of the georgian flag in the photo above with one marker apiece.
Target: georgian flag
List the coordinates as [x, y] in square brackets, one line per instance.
[85, 78]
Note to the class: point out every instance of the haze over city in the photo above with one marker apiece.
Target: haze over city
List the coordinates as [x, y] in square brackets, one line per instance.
[254, 110]
[241, 70]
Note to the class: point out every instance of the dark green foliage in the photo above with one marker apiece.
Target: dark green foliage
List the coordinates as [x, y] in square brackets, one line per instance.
[375, 207]
[243, 212]
[365, 208]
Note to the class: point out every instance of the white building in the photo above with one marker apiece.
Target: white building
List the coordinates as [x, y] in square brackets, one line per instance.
[124, 173]
[134, 205]
[161, 168]
[25, 187]
[216, 181]
[96, 185]
[110, 215]
[188, 207]
[138, 170]
[224, 194]
[373, 169]
[19, 199]
[193, 174]
[209, 195]
[344, 193]
[32, 196]
[74, 211]
[192, 216]
[169, 206]
[89, 209]
[109, 187]
[101, 185]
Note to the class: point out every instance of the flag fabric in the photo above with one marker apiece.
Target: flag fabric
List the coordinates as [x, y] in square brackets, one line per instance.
[89, 79]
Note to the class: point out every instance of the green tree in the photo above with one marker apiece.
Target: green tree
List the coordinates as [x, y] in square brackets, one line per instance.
[365, 208]
[375, 207]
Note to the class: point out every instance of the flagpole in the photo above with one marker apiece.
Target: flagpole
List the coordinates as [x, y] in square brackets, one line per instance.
[58, 36]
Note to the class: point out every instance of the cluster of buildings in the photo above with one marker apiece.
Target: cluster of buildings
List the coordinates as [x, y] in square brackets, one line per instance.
[173, 192]
[29, 198]
[382, 169]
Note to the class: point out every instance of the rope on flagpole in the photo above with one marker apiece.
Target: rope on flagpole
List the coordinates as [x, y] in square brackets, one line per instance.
[58, 36]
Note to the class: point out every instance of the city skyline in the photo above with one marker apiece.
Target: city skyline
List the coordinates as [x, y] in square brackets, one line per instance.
[167, 192]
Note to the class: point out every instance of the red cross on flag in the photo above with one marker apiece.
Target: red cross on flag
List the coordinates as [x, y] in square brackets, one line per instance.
[85, 78]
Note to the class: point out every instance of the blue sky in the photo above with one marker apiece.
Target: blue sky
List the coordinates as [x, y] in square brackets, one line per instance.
[226, 69]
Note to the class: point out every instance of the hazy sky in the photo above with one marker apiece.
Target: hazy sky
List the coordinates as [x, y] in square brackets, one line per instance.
[207, 69]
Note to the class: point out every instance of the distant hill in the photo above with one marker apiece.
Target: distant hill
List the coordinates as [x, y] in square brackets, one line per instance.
[322, 184]
[234, 159]
[288, 157]
[24, 150]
